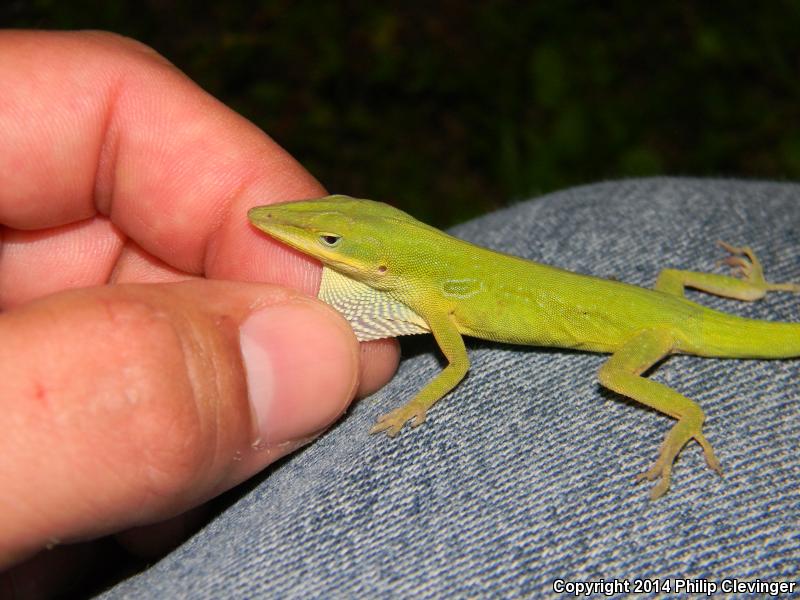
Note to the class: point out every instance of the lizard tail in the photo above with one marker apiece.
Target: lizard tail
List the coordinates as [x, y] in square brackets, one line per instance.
[736, 337]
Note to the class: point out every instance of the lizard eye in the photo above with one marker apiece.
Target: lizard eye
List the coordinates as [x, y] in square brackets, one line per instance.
[330, 240]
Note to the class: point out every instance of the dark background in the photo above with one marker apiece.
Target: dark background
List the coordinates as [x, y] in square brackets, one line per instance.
[454, 108]
[451, 109]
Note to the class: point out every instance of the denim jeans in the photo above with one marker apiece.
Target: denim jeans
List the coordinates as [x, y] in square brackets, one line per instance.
[524, 475]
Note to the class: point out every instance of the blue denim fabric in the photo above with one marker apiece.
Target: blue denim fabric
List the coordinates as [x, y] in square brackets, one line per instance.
[525, 473]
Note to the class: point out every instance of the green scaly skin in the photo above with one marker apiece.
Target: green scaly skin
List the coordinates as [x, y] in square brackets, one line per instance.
[388, 272]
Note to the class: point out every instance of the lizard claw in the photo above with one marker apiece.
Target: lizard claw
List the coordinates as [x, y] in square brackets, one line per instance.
[743, 261]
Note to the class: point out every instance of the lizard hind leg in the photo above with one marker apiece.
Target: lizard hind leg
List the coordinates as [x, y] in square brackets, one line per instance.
[749, 283]
[622, 374]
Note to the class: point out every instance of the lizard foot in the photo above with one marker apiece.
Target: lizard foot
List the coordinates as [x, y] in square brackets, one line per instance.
[394, 421]
[662, 468]
[743, 261]
[747, 266]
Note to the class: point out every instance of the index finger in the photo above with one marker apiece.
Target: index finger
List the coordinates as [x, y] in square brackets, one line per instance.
[97, 124]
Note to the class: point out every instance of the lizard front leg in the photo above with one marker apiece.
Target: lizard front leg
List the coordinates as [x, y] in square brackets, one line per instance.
[452, 346]
[622, 373]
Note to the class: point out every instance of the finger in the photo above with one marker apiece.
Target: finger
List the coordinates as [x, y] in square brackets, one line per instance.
[379, 360]
[80, 249]
[96, 124]
[137, 266]
[129, 404]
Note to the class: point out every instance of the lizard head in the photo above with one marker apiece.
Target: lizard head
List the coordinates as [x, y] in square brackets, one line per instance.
[343, 233]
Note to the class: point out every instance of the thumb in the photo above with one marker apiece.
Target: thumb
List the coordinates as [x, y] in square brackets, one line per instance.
[124, 405]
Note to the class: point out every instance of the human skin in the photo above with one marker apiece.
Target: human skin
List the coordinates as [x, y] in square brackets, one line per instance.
[126, 404]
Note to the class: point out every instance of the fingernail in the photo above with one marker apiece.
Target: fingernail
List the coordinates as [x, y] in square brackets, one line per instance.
[301, 363]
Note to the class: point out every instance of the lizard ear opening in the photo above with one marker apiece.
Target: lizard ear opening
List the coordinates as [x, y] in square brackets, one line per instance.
[330, 240]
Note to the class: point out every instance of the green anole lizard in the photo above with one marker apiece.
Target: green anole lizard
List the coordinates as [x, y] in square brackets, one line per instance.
[392, 275]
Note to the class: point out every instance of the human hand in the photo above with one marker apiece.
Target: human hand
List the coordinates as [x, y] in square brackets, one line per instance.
[124, 405]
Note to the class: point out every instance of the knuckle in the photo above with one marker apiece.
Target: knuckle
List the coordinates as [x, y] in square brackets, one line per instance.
[164, 421]
[118, 43]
